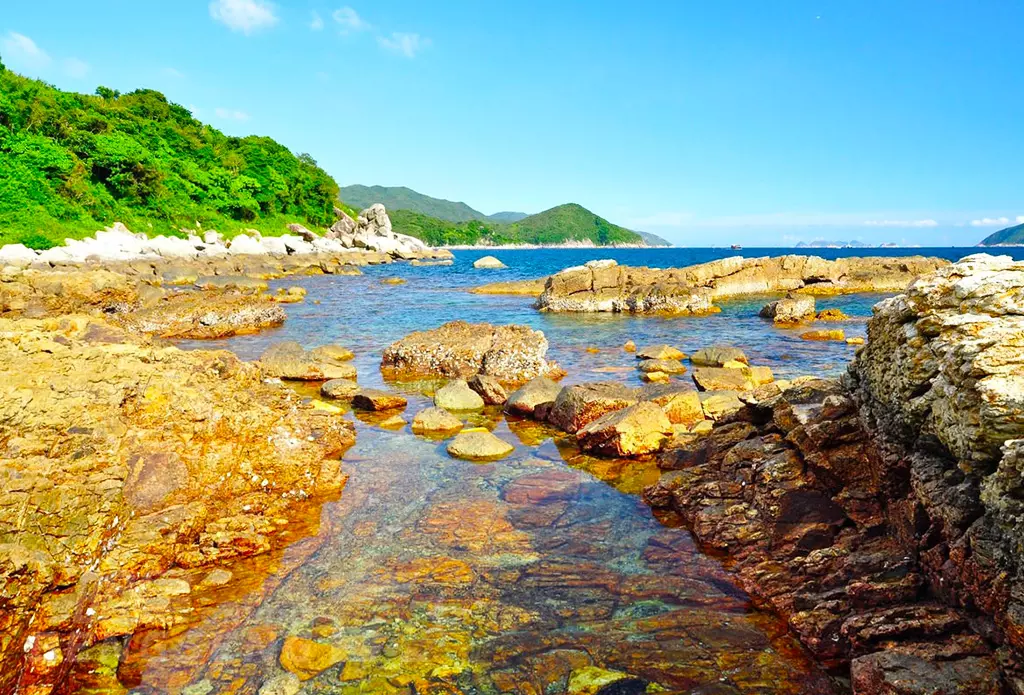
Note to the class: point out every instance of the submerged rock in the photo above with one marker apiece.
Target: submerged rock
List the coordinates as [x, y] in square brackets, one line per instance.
[830, 334]
[593, 680]
[461, 350]
[717, 356]
[306, 658]
[479, 445]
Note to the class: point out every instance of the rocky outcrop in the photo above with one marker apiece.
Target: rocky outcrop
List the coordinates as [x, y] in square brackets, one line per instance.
[606, 286]
[203, 315]
[121, 459]
[792, 309]
[289, 360]
[637, 430]
[577, 406]
[460, 350]
[881, 515]
[941, 385]
[528, 288]
[372, 230]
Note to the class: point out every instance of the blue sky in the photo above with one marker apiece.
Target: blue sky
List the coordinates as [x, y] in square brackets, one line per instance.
[761, 123]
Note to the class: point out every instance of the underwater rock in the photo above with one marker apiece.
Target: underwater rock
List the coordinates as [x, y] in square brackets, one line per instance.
[717, 356]
[479, 445]
[306, 659]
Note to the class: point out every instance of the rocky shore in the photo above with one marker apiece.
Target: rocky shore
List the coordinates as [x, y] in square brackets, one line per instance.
[880, 514]
[607, 286]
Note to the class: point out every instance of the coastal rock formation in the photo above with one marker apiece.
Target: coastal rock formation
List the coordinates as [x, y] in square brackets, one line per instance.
[577, 406]
[792, 309]
[634, 431]
[606, 286]
[203, 315]
[527, 288]
[488, 263]
[460, 350]
[121, 459]
[490, 389]
[373, 231]
[881, 515]
[289, 360]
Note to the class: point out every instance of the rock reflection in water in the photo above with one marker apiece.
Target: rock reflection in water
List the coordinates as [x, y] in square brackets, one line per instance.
[433, 575]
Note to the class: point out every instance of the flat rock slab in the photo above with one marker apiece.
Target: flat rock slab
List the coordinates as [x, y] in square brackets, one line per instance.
[668, 366]
[660, 352]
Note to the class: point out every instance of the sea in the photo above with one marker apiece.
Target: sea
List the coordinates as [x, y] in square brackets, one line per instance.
[434, 575]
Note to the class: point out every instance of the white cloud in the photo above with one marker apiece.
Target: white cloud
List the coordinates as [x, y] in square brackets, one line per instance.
[349, 20]
[991, 222]
[1020, 219]
[22, 51]
[403, 44]
[901, 223]
[230, 115]
[245, 16]
[317, 23]
[76, 68]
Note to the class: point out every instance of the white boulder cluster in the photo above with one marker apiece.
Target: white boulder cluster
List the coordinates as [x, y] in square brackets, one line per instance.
[118, 243]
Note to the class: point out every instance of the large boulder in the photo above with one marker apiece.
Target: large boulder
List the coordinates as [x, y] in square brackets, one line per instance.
[461, 350]
[578, 405]
[640, 429]
[792, 309]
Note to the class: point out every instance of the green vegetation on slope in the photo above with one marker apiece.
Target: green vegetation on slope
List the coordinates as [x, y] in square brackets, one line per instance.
[396, 198]
[1010, 235]
[558, 225]
[71, 164]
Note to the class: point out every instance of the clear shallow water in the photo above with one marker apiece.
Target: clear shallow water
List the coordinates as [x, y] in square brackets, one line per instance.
[442, 576]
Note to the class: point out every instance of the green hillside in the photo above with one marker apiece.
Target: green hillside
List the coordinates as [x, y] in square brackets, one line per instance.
[71, 164]
[653, 239]
[507, 216]
[558, 225]
[1010, 235]
[402, 198]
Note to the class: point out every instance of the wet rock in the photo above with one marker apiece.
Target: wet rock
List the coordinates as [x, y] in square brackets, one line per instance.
[655, 377]
[793, 309]
[834, 334]
[528, 288]
[479, 445]
[533, 394]
[629, 346]
[639, 429]
[285, 684]
[831, 315]
[456, 395]
[374, 400]
[660, 352]
[203, 315]
[490, 389]
[488, 262]
[393, 281]
[602, 286]
[664, 366]
[436, 420]
[306, 659]
[460, 350]
[717, 356]
[900, 673]
[339, 388]
[682, 406]
[332, 354]
[719, 404]
[722, 379]
[289, 360]
[593, 680]
[578, 405]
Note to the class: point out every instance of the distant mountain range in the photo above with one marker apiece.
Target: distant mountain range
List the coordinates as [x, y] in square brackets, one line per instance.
[446, 223]
[1011, 236]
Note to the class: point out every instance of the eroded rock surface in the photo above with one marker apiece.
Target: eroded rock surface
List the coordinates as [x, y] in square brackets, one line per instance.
[460, 350]
[606, 286]
[121, 459]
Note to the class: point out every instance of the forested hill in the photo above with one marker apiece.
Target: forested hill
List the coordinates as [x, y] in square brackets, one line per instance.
[559, 225]
[1010, 235]
[71, 164]
[402, 198]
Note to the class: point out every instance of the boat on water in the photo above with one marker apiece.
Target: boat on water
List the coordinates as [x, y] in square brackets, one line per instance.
[736, 247]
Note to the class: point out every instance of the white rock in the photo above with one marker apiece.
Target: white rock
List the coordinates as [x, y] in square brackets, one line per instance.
[17, 254]
[243, 243]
